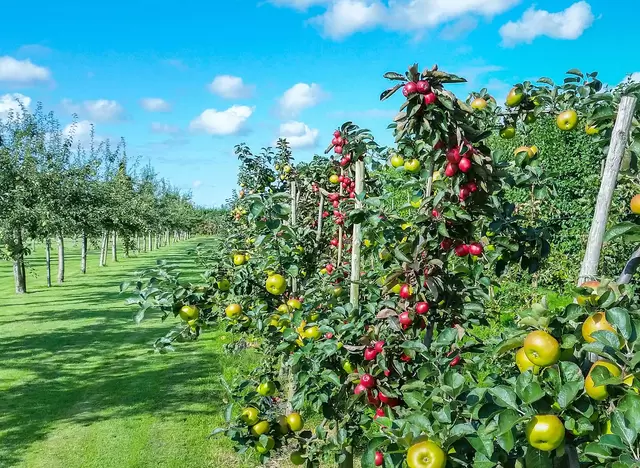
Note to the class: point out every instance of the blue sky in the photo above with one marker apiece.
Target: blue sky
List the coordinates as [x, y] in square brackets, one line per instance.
[184, 82]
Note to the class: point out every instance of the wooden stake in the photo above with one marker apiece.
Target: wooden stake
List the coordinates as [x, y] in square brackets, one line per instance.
[356, 241]
[619, 138]
[320, 219]
[293, 219]
[340, 230]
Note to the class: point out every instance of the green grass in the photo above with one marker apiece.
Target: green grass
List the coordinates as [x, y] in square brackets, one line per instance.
[80, 387]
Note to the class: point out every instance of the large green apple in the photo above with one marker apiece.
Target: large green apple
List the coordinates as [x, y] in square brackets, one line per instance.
[515, 97]
[567, 120]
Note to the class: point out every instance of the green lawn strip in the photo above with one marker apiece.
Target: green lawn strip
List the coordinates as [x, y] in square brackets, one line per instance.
[79, 386]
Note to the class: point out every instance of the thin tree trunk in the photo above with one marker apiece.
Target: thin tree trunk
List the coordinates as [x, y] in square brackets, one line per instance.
[114, 246]
[83, 254]
[127, 240]
[619, 138]
[149, 242]
[47, 251]
[60, 259]
[103, 248]
[18, 266]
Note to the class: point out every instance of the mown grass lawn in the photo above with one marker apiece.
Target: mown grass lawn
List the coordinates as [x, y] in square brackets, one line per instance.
[79, 386]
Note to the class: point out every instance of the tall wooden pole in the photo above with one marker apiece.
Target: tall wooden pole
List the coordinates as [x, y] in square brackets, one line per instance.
[356, 238]
[293, 220]
[619, 139]
[320, 218]
[340, 229]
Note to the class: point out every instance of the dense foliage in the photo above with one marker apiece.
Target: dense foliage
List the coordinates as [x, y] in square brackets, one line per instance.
[412, 368]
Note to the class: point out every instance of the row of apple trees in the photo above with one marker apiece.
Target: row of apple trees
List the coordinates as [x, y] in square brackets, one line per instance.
[409, 369]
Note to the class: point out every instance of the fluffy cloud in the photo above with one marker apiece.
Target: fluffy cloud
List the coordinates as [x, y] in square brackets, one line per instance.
[298, 134]
[80, 132]
[10, 103]
[300, 96]
[568, 24]
[230, 87]
[22, 71]
[155, 105]
[342, 18]
[228, 122]
[157, 127]
[100, 110]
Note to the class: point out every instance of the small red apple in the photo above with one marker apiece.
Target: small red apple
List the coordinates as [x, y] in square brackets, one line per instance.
[335, 242]
[359, 389]
[476, 249]
[446, 244]
[465, 165]
[328, 335]
[453, 155]
[378, 459]
[405, 358]
[435, 213]
[451, 170]
[379, 413]
[405, 291]
[464, 193]
[461, 250]
[337, 149]
[367, 381]
[379, 346]
[423, 87]
[429, 98]
[405, 318]
[422, 308]
[409, 88]
[455, 361]
[336, 133]
[472, 186]
[370, 354]
[329, 268]
[387, 373]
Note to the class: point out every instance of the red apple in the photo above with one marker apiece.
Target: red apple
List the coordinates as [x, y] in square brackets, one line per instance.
[429, 98]
[367, 381]
[409, 88]
[451, 170]
[379, 413]
[387, 373]
[446, 244]
[422, 308]
[405, 358]
[423, 87]
[370, 354]
[464, 193]
[373, 400]
[405, 291]
[336, 133]
[472, 186]
[335, 242]
[359, 389]
[476, 249]
[465, 165]
[435, 213]
[329, 268]
[328, 335]
[379, 346]
[337, 149]
[405, 318]
[453, 155]
[378, 459]
[461, 250]
[455, 361]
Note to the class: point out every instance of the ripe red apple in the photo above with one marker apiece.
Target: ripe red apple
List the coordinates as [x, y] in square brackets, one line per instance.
[387, 373]
[439, 145]
[472, 186]
[451, 170]
[423, 87]
[465, 165]
[405, 358]
[329, 268]
[367, 381]
[379, 413]
[405, 318]
[409, 88]
[372, 399]
[328, 335]
[325, 214]
[435, 213]
[461, 250]
[405, 291]
[422, 308]
[464, 193]
[455, 361]
[335, 141]
[378, 459]
[359, 389]
[476, 249]
[337, 149]
[336, 133]
[446, 244]
[379, 346]
[370, 354]
[429, 98]
[334, 242]
[453, 155]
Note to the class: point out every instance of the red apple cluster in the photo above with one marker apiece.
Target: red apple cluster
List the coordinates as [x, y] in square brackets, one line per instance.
[420, 87]
[462, 250]
[339, 142]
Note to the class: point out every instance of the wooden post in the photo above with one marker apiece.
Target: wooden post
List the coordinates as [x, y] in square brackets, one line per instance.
[320, 219]
[293, 220]
[619, 138]
[47, 246]
[355, 238]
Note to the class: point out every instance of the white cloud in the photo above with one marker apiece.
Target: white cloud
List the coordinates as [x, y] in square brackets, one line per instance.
[228, 122]
[81, 133]
[346, 17]
[157, 127]
[300, 96]
[298, 134]
[634, 76]
[343, 18]
[22, 71]
[155, 105]
[10, 103]
[197, 183]
[568, 24]
[100, 110]
[230, 87]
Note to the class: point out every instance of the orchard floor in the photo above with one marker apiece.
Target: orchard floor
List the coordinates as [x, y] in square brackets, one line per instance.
[79, 386]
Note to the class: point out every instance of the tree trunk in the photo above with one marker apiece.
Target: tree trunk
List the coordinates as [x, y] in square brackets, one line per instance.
[127, 239]
[83, 253]
[114, 246]
[60, 259]
[47, 251]
[103, 248]
[18, 266]
[149, 242]
[619, 138]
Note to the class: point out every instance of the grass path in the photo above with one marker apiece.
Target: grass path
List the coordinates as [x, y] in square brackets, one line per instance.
[79, 386]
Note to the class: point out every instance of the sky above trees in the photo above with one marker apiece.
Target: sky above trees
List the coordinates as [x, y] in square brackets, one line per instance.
[185, 83]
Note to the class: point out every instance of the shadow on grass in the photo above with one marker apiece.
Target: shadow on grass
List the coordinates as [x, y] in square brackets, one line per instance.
[92, 373]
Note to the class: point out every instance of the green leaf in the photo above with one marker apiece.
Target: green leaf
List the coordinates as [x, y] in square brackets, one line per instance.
[606, 338]
[597, 450]
[619, 318]
[531, 393]
[507, 419]
[622, 427]
[568, 392]
[612, 440]
[228, 412]
[505, 397]
[256, 208]
[446, 337]
[537, 459]
[331, 377]
[400, 255]
[622, 229]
